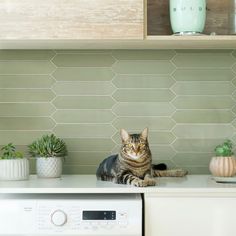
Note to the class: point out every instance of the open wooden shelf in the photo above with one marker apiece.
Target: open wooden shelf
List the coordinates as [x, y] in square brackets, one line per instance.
[193, 42]
[159, 33]
[150, 42]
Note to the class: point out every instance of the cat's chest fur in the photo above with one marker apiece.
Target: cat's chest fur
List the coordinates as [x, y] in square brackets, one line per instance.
[138, 169]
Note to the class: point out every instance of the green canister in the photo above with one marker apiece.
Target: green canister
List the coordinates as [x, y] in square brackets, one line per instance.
[187, 16]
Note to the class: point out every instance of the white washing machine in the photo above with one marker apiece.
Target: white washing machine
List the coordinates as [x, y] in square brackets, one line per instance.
[71, 214]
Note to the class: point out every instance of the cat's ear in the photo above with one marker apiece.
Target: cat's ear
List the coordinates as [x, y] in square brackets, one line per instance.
[144, 134]
[124, 135]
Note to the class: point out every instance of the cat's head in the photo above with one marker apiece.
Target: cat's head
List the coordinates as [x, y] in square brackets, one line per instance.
[135, 146]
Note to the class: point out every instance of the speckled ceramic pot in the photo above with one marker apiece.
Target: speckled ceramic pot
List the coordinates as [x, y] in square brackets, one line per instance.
[223, 166]
[14, 169]
[50, 167]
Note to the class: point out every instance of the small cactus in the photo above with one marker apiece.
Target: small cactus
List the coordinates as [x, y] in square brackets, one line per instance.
[224, 149]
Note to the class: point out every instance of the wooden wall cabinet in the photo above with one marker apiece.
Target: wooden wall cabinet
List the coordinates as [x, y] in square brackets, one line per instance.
[105, 24]
[71, 19]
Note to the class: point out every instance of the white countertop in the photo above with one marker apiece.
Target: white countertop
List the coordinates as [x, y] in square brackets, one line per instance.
[191, 185]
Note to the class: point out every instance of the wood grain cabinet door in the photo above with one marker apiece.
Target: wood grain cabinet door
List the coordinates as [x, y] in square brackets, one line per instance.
[71, 19]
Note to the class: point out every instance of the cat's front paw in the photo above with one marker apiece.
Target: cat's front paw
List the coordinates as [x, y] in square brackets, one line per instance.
[150, 181]
[144, 183]
[139, 183]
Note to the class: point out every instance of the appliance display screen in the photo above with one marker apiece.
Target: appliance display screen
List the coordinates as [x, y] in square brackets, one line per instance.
[99, 215]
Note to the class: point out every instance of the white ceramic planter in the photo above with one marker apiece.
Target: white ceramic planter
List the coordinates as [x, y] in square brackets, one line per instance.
[14, 169]
[50, 167]
[223, 166]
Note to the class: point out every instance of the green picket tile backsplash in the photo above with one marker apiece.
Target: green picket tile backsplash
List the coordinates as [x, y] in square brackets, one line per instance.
[186, 98]
[83, 74]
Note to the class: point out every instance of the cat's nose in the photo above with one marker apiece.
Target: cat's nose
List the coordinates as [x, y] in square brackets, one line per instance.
[136, 151]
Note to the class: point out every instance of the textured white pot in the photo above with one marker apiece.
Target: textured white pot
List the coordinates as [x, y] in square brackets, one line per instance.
[223, 166]
[50, 167]
[14, 169]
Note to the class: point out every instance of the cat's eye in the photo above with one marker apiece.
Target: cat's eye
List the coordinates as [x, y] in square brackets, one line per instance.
[130, 145]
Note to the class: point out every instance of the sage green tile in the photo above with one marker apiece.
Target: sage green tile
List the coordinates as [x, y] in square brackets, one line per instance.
[26, 109]
[208, 131]
[86, 158]
[198, 170]
[155, 138]
[83, 74]
[161, 137]
[233, 138]
[196, 145]
[203, 88]
[234, 53]
[203, 74]
[234, 123]
[26, 54]
[83, 60]
[188, 159]
[83, 102]
[203, 59]
[89, 144]
[203, 116]
[203, 102]
[143, 54]
[19, 137]
[79, 169]
[83, 88]
[26, 81]
[143, 109]
[234, 82]
[84, 130]
[83, 116]
[136, 123]
[143, 81]
[32, 165]
[117, 139]
[143, 95]
[234, 68]
[234, 109]
[212, 51]
[26, 95]
[143, 67]
[234, 95]
[26, 123]
[26, 67]
[76, 51]
[162, 152]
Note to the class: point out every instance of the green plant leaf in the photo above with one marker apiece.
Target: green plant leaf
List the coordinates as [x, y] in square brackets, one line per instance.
[48, 146]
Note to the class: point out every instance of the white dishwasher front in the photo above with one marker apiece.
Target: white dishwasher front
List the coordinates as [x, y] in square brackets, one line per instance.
[71, 214]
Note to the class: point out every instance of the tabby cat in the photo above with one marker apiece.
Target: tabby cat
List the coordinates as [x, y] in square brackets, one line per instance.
[133, 165]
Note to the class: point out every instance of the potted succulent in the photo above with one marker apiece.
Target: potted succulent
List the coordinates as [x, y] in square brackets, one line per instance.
[13, 165]
[49, 151]
[224, 163]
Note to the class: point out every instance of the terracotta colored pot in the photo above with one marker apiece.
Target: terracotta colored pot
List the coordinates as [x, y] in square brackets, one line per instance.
[223, 166]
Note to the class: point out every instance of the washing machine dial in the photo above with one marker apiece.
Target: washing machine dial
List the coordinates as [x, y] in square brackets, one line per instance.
[58, 218]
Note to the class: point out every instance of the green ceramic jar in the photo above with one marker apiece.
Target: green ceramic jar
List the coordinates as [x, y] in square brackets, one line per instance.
[187, 16]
